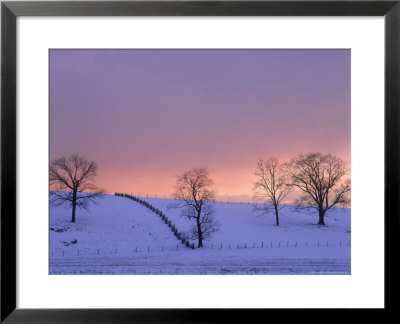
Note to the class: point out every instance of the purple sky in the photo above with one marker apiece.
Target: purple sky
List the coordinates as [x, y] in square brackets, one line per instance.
[147, 115]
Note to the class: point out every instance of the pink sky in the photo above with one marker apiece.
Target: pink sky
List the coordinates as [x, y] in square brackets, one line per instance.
[146, 116]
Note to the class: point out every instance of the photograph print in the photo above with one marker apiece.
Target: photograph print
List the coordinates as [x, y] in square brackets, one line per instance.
[200, 162]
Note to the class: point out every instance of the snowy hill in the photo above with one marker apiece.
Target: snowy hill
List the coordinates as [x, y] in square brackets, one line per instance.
[239, 224]
[116, 223]
[119, 223]
[120, 236]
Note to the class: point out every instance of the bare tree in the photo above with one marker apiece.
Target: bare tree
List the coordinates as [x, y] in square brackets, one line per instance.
[71, 182]
[271, 186]
[322, 181]
[194, 196]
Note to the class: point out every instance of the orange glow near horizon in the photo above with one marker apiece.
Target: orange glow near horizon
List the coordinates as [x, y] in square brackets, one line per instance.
[229, 185]
[146, 116]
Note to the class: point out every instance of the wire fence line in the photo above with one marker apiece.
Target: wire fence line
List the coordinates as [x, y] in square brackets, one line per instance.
[107, 251]
[289, 204]
[280, 244]
[59, 252]
[163, 217]
[171, 197]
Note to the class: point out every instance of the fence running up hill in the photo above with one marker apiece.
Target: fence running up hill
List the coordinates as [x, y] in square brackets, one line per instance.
[163, 217]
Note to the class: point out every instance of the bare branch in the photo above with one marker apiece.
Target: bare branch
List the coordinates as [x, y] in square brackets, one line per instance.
[271, 187]
[321, 180]
[71, 182]
[194, 196]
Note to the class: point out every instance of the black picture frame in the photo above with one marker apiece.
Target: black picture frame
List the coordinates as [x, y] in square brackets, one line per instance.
[10, 10]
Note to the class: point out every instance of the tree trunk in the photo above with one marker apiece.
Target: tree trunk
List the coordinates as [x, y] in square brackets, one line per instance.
[276, 214]
[321, 217]
[199, 232]
[73, 206]
[200, 240]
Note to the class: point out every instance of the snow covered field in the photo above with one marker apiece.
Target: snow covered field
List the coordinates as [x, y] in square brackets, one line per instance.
[240, 224]
[202, 262]
[120, 236]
